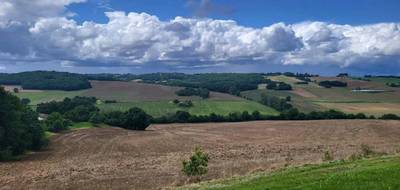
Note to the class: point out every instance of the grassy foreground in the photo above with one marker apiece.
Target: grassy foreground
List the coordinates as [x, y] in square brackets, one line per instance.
[374, 173]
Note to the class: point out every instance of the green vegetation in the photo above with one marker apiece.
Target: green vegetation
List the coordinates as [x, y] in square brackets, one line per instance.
[374, 173]
[82, 125]
[46, 80]
[197, 164]
[48, 96]
[202, 92]
[20, 129]
[201, 107]
[56, 123]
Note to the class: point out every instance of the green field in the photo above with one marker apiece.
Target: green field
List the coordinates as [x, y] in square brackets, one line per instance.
[200, 107]
[48, 95]
[373, 174]
[385, 79]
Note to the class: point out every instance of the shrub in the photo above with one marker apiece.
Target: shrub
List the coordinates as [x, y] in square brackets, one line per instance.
[390, 117]
[136, 119]
[56, 123]
[328, 156]
[96, 118]
[25, 101]
[197, 164]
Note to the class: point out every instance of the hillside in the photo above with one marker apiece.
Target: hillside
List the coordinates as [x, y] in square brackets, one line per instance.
[312, 97]
[110, 157]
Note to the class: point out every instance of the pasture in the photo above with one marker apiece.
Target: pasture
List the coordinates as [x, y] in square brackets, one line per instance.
[311, 97]
[200, 107]
[115, 158]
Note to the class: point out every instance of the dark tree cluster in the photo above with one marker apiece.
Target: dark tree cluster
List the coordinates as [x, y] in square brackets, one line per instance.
[332, 83]
[342, 75]
[134, 119]
[273, 85]
[185, 103]
[46, 80]
[279, 104]
[20, 129]
[231, 83]
[395, 85]
[295, 114]
[186, 117]
[66, 105]
[202, 92]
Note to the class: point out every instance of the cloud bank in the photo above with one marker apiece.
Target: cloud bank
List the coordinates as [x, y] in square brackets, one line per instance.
[43, 31]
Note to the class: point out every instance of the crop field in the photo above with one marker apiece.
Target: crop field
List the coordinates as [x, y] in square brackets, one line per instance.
[108, 157]
[134, 91]
[200, 107]
[311, 97]
[48, 95]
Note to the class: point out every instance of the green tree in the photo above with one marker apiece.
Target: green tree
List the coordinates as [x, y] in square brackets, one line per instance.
[20, 129]
[136, 119]
[197, 164]
[56, 123]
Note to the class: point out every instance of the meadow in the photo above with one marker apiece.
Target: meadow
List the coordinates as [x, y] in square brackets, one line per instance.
[200, 107]
[373, 173]
[311, 97]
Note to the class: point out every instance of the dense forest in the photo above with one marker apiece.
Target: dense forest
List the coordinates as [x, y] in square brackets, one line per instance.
[46, 80]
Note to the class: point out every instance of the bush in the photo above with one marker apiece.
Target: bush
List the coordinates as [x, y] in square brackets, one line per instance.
[335, 83]
[390, 117]
[197, 164]
[56, 123]
[136, 119]
[202, 92]
[96, 118]
[185, 104]
[25, 101]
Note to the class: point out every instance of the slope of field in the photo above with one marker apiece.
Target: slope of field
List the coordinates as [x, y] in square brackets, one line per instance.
[311, 97]
[48, 95]
[200, 107]
[375, 173]
[114, 158]
[134, 91]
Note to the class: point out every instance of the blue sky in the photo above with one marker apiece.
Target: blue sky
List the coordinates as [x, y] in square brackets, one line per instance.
[141, 36]
[253, 13]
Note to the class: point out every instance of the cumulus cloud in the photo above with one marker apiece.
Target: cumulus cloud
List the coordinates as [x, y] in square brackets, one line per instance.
[140, 39]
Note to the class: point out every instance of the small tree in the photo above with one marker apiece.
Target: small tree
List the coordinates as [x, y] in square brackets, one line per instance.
[16, 90]
[56, 123]
[197, 164]
[136, 119]
[25, 101]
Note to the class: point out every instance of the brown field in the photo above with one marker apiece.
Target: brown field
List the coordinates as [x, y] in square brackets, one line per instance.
[114, 158]
[376, 109]
[135, 91]
[303, 93]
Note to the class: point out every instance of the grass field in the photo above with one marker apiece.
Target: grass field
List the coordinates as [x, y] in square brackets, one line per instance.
[375, 173]
[311, 97]
[48, 95]
[384, 80]
[200, 107]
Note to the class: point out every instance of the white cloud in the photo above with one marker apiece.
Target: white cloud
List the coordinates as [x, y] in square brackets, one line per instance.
[142, 39]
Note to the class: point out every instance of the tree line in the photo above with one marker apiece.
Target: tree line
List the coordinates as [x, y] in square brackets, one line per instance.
[20, 129]
[46, 80]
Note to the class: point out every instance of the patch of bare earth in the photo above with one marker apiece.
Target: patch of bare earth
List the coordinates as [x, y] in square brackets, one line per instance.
[114, 158]
[136, 91]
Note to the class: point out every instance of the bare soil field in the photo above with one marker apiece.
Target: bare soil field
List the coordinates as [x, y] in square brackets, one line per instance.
[114, 158]
[376, 109]
[135, 91]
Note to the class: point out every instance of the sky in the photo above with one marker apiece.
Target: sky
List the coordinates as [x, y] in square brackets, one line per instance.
[144, 36]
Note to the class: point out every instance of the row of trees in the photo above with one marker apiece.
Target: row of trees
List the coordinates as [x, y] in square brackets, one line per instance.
[332, 83]
[20, 129]
[46, 80]
[202, 92]
[279, 104]
[82, 109]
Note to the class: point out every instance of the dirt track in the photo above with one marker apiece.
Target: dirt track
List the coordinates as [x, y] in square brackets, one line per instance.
[113, 158]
